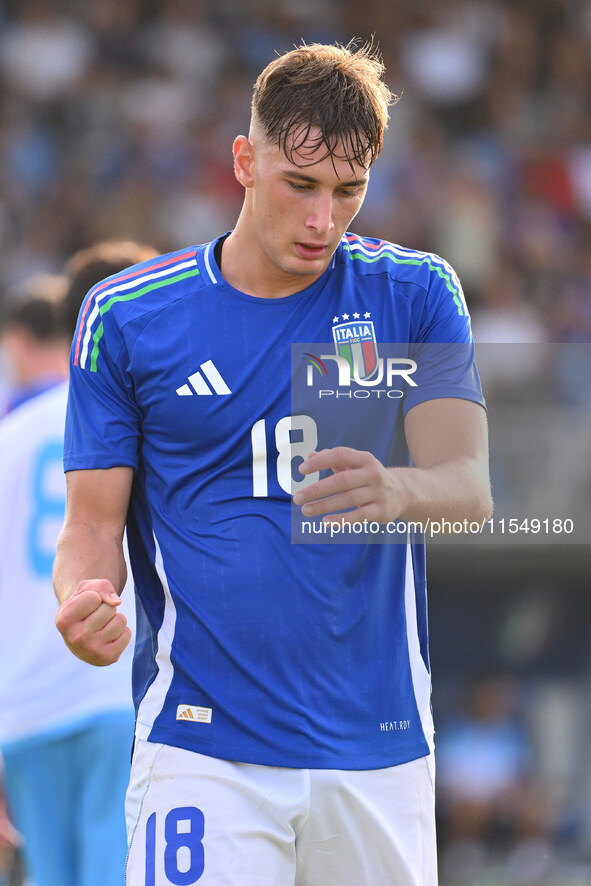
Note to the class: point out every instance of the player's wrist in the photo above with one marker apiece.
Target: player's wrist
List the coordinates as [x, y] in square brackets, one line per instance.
[406, 501]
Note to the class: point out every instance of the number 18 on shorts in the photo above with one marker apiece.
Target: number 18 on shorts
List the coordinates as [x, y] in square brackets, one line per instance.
[181, 851]
[199, 820]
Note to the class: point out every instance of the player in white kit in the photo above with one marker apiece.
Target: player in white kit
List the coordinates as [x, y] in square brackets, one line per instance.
[66, 727]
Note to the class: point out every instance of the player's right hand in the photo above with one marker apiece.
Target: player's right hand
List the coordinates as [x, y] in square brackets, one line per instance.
[90, 624]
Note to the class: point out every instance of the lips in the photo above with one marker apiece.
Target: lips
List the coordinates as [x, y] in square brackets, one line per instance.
[311, 250]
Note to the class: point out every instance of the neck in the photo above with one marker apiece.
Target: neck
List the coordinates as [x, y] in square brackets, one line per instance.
[246, 266]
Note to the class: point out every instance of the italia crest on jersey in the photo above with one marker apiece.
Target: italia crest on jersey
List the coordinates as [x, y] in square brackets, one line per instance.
[355, 340]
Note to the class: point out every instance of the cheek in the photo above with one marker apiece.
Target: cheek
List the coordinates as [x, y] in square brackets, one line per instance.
[283, 214]
[274, 206]
[345, 214]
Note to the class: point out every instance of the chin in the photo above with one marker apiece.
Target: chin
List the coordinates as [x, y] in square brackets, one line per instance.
[309, 266]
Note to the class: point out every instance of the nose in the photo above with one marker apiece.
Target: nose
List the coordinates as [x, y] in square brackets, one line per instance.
[320, 216]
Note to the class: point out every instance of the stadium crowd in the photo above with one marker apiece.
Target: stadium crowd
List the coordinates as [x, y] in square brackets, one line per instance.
[129, 107]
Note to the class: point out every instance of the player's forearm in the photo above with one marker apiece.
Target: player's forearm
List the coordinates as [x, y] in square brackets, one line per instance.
[458, 489]
[87, 552]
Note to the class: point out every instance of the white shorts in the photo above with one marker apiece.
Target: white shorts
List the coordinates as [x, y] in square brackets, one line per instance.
[193, 819]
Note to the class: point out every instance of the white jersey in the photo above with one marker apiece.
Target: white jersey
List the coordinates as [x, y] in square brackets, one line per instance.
[43, 686]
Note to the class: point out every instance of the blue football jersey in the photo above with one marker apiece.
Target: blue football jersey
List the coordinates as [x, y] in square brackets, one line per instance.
[250, 646]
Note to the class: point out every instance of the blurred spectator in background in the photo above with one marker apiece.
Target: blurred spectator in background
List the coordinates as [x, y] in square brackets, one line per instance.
[63, 723]
[34, 339]
[488, 795]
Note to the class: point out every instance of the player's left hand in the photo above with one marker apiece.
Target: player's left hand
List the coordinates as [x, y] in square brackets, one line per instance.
[358, 481]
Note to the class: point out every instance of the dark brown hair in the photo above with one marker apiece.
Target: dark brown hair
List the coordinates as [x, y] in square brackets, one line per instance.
[337, 89]
[36, 306]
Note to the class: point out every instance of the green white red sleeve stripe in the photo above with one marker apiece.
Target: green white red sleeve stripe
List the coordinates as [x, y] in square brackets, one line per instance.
[125, 287]
[359, 248]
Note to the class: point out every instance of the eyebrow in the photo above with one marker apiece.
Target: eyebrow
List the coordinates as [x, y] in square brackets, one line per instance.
[353, 183]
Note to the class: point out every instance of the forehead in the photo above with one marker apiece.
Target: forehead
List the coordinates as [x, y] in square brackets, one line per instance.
[306, 152]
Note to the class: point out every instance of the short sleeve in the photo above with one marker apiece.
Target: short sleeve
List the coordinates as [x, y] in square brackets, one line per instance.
[444, 348]
[103, 421]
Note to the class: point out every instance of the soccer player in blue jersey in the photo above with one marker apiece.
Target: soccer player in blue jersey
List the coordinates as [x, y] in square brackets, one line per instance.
[283, 724]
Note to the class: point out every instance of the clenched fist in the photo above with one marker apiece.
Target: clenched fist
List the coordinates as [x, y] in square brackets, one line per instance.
[90, 624]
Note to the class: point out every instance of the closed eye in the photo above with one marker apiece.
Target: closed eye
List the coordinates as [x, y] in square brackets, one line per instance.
[343, 192]
[296, 186]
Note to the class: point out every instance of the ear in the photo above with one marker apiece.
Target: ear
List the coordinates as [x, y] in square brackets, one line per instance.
[243, 151]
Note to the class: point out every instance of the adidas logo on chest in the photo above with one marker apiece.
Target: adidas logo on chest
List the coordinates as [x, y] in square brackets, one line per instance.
[206, 381]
